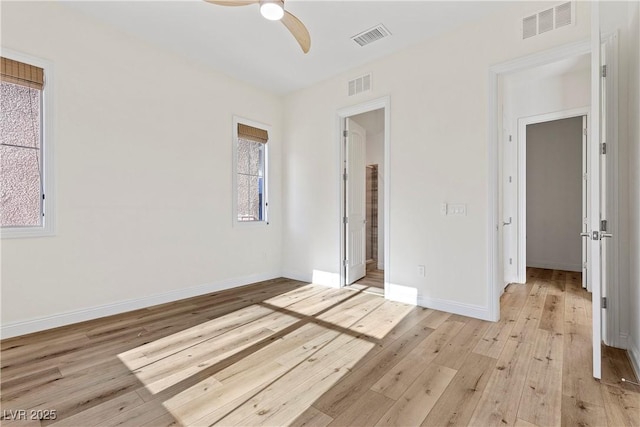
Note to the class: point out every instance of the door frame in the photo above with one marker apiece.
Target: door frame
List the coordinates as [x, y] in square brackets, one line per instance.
[495, 263]
[341, 116]
[495, 270]
[523, 122]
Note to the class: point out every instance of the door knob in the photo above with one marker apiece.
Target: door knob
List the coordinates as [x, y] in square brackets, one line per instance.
[584, 234]
[607, 235]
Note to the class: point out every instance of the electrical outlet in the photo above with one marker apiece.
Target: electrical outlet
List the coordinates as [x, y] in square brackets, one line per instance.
[421, 271]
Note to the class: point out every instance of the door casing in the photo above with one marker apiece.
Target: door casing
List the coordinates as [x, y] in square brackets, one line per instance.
[521, 223]
[341, 115]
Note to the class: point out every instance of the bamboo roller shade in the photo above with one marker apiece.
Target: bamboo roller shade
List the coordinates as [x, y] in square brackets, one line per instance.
[21, 74]
[252, 134]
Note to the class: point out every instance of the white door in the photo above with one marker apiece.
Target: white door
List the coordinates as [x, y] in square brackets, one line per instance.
[355, 196]
[586, 284]
[510, 208]
[600, 254]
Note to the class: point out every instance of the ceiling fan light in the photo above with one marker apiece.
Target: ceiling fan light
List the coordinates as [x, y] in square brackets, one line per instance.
[272, 11]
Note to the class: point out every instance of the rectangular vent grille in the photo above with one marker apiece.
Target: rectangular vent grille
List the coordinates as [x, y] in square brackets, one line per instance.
[529, 26]
[549, 19]
[371, 35]
[545, 21]
[359, 85]
[564, 15]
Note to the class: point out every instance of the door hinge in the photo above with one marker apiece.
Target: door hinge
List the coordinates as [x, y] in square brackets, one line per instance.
[344, 262]
[584, 131]
[604, 148]
[344, 176]
[345, 133]
[510, 138]
[585, 176]
[603, 225]
[510, 261]
[345, 220]
[604, 71]
[604, 302]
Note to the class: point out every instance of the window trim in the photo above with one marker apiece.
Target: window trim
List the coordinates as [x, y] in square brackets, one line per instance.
[48, 205]
[234, 170]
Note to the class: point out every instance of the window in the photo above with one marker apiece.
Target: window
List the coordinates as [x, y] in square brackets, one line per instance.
[250, 154]
[23, 158]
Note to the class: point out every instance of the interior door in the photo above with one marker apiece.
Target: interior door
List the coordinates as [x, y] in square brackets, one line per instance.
[355, 199]
[598, 190]
[510, 209]
[586, 283]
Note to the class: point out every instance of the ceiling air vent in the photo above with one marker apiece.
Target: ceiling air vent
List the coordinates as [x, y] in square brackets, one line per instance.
[371, 35]
[359, 85]
[549, 19]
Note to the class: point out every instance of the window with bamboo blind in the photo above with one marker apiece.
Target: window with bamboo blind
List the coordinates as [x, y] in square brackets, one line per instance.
[250, 148]
[21, 145]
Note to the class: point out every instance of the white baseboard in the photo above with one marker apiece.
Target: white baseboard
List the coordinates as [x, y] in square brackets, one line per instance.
[469, 310]
[550, 265]
[634, 355]
[317, 277]
[409, 296]
[24, 327]
[295, 275]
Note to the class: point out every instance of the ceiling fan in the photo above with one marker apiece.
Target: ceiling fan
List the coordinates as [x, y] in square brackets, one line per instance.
[273, 10]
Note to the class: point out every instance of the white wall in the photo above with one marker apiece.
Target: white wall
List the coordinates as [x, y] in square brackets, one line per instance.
[434, 87]
[634, 184]
[554, 194]
[143, 149]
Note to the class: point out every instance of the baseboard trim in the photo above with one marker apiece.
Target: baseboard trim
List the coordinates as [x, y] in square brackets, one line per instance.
[634, 355]
[317, 277]
[294, 275]
[14, 329]
[463, 309]
[550, 265]
[404, 295]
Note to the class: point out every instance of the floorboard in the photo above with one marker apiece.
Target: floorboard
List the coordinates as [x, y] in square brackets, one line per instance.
[283, 352]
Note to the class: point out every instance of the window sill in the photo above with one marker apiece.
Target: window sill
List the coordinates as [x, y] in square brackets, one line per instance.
[26, 232]
[249, 224]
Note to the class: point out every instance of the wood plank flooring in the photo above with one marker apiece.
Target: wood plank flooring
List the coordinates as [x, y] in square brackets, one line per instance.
[283, 352]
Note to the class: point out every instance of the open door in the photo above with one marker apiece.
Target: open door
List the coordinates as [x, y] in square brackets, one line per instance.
[586, 284]
[600, 209]
[510, 223]
[355, 202]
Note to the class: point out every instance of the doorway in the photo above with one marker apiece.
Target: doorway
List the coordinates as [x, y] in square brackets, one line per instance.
[602, 188]
[550, 194]
[364, 149]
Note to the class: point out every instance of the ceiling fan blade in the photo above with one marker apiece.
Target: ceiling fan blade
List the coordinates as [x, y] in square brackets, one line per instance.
[232, 2]
[298, 30]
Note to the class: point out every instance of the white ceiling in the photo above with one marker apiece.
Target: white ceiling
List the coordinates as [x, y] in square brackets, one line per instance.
[239, 42]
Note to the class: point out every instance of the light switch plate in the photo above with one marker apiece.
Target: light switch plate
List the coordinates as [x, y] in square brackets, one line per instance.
[459, 209]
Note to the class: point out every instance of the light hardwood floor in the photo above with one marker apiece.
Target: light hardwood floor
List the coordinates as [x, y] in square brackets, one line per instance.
[287, 353]
[374, 277]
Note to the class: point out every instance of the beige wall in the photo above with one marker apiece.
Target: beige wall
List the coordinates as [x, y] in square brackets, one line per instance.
[438, 92]
[143, 149]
